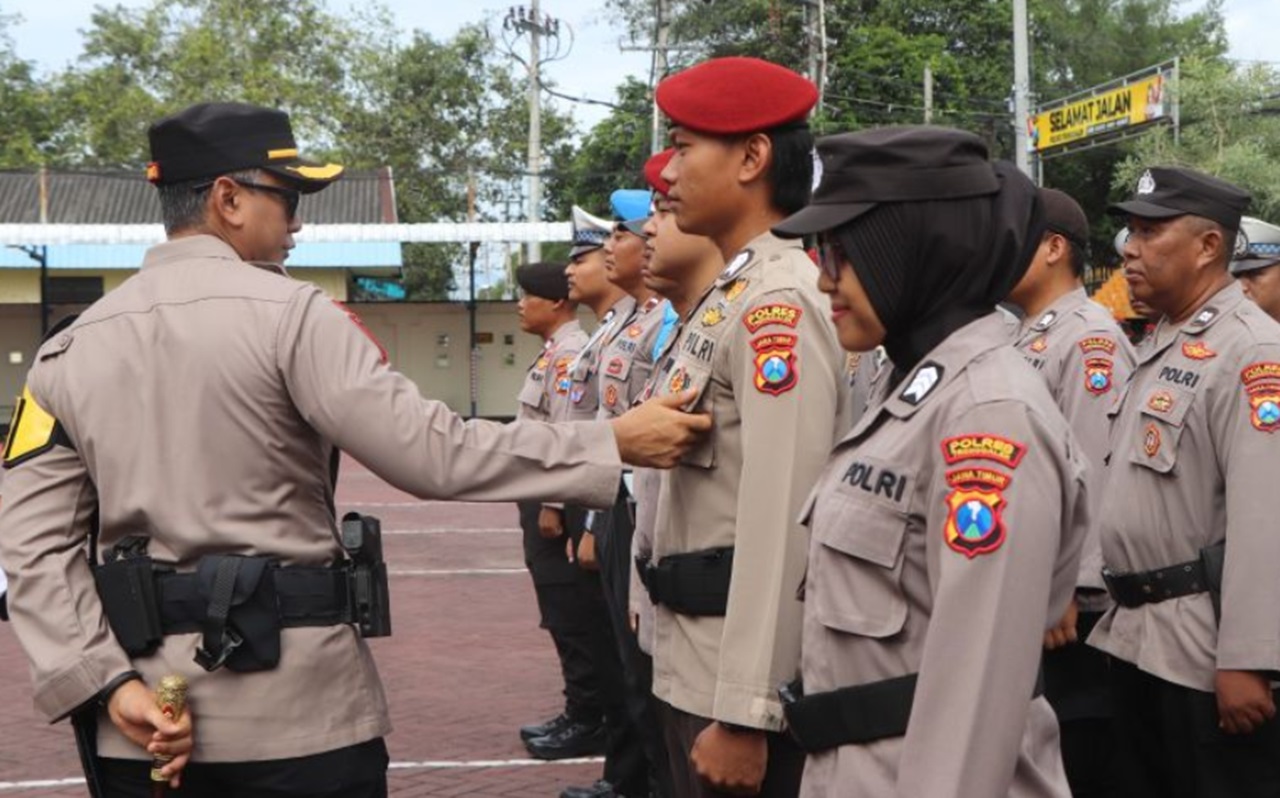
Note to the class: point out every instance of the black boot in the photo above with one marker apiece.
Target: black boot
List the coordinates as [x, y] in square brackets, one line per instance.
[576, 739]
[601, 789]
[545, 728]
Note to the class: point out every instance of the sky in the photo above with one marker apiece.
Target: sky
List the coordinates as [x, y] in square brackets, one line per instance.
[50, 36]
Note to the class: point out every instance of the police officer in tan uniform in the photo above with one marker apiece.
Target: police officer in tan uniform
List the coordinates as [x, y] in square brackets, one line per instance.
[637, 760]
[1256, 257]
[561, 588]
[946, 528]
[1085, 359]
[728, 553]
[1188, 517]
[194, 414]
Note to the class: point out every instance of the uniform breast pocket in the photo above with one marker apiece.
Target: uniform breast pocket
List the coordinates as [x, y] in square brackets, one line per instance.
[855, 566]
[531, 394]
[1162, 417]
[703, 454]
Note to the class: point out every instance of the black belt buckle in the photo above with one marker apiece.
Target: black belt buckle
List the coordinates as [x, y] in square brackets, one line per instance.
[231, 640]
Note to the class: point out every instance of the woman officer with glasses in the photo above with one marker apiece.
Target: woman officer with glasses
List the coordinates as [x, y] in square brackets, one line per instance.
[946, 528]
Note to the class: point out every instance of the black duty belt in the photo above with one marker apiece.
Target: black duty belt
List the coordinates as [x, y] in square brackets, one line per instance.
[305, 596]
[1162, 584]
[854, 715]
[693, 583]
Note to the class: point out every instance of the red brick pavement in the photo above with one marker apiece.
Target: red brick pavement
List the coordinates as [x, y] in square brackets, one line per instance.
[467, 664]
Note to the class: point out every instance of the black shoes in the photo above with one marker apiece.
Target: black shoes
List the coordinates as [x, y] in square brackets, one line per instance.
[552, 726]
[601, 789]
[572, 740]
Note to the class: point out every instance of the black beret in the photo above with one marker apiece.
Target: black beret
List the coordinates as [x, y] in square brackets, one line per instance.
[544, 279]
[1063, 215]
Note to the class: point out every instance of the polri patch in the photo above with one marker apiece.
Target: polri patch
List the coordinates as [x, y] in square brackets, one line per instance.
[776, 368]
[765, 315]
[983, 447]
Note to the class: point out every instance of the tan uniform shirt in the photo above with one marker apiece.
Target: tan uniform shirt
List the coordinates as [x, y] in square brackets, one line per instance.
[626, 361]
[547, 386]
[204, 398]
[584, 372]
[1194, 458]
[763, 357]
[946, 532]
[1086, 360]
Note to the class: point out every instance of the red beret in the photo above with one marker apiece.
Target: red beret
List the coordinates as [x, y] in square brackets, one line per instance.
[653, 171]
[729, 96]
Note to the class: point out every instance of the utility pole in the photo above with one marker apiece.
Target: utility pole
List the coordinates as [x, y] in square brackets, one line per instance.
[660, 67]
[1021, 87]
[521, 20]
[815, 32]
[928, 93]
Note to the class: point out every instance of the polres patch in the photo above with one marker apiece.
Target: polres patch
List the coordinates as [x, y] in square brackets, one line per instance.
[983, 447]
[766, 315]
[776, 368]
[1097, 375]
[974, 523]
[355, 319]
[1097, 343]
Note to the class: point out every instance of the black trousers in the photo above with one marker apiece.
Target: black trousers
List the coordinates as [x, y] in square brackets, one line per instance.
[359, 771]
[681, 730]
[640, 764]
[572, 607]
[1168, 744]
[1077, 684]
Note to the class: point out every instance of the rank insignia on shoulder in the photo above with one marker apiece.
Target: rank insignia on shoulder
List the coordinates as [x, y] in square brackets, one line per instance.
[1204, 317]
[776, 369]
[32, 431]
[765, 315]
[1046, 321]
[1197, 350]
[974, 523]
[734, 266]
[1098, 343]
[922, 384]
[983, 447]
[1039, 345]
[713, 316]
[1097, 375]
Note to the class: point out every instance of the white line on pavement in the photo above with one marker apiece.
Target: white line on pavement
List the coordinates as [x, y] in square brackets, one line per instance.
[456, 571]
[44, 784]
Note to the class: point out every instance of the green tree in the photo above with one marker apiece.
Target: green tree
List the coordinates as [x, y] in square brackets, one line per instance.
[1231, 128]
[24, 107]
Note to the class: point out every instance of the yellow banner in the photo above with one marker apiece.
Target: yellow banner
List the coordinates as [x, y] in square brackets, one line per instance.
[1138, 103]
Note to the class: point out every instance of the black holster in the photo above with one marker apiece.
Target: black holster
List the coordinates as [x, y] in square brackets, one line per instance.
[692, 583]
[370, 591]
[126, 584]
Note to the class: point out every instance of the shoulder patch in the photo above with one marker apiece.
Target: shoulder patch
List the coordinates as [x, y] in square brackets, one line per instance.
[974, 505]
[1097, 375]
[983, 447]
[765, 315]
[776, 369]
[32, 431]
[1262, 384]
[1198, 350]
[382, 350]
[1097, 343]
[922, 384]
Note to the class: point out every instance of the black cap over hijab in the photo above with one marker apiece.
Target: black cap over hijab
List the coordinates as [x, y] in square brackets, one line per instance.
[937, 234]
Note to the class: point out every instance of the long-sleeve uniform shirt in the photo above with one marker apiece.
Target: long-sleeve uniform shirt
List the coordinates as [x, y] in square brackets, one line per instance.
[626, 361]
[200, 403]
[946, 534]
[764, 360]
[1085, 360]
[1194, 454]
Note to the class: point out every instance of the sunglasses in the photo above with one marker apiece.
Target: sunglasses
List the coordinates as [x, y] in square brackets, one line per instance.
[291, 196]
[830, 258]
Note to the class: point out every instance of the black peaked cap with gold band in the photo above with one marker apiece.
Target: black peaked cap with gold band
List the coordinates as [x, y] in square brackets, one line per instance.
[211, 139]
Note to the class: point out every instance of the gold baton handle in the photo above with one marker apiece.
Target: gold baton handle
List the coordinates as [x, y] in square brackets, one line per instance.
[171, 697]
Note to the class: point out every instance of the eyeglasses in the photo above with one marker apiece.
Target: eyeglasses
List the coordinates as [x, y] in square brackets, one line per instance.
[291, 196]
[830, 258]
